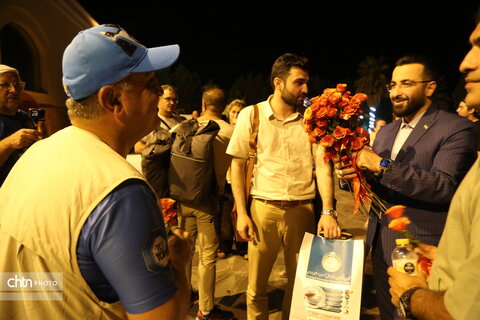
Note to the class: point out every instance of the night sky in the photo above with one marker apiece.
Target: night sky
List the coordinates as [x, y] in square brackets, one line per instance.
[224, 42]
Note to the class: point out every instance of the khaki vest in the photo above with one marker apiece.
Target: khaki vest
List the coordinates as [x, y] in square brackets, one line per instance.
[44, 203]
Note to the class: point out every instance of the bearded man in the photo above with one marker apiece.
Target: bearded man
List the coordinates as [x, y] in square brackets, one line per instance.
[417, 161]
[283, 182]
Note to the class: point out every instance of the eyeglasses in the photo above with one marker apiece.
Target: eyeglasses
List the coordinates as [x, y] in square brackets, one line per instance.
[17, 85]
[405, 84]
[170, 99]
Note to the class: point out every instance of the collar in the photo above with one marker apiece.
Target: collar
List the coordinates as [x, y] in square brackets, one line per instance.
[414, 122]
[270, 115]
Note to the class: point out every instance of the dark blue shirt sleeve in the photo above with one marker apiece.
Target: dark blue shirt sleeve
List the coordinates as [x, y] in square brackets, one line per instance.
[122, 250]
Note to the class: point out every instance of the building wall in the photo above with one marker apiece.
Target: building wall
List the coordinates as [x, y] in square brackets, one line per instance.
[50, 25]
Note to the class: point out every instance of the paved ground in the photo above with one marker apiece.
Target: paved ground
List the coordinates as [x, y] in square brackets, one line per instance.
[232, 276]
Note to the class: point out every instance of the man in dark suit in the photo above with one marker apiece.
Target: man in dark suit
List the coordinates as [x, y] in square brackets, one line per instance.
[417, 161]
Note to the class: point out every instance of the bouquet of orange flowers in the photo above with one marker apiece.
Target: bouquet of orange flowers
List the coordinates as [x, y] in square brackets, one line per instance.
[332, 120]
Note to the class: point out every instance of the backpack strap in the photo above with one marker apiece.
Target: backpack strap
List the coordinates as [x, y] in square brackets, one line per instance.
[165, 123]
[252, 154]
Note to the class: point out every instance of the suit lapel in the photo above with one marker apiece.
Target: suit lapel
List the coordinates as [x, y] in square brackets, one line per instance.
[384, 142]
[425, 123]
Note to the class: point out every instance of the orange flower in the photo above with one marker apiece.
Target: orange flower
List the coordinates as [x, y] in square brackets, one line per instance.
[328, 91]
[344, 116]
[358, 98]
[321, 113]
[167, 203]
[359, 142]
[312, 138]
[321, 123]
[352, 109]
[331, 112]
[319, 132]
[335, 97]
[341, 87]
[340, 132]
[327, 141]
[329, 155]
[308, 127]
[344, 101]
[425, 265]
[308, 115]
[399, 224]
[395, 212]
[169, 212]
[346, 142]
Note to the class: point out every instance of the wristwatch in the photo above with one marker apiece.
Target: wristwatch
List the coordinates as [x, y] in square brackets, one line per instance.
[385, 164]
[404, 307]
[333, 213]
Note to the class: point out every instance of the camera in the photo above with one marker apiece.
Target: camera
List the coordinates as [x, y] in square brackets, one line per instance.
[37, 114]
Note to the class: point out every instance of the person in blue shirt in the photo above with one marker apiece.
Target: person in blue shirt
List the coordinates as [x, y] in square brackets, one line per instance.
[85, 212]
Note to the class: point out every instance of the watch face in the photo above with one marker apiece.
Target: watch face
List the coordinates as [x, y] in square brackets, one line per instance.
[385, 163]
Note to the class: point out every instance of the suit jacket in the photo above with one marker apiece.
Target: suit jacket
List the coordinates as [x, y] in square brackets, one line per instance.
[424, 176]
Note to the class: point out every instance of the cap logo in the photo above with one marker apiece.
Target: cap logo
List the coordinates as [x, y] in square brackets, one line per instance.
[119, 39]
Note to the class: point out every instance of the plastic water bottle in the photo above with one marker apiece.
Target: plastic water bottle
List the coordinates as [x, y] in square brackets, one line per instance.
[404, 259]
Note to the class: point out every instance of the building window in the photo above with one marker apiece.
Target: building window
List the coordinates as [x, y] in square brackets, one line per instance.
[18, 50]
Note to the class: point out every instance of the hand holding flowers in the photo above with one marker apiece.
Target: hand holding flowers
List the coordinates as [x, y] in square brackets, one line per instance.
[400, 224]
[332, 120]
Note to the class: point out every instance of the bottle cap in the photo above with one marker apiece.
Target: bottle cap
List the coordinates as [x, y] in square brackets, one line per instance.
[402, 241]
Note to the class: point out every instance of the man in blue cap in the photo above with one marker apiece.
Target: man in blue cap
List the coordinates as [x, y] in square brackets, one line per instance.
[75, 211]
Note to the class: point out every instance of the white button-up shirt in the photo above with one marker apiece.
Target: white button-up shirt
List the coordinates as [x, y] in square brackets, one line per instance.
[402, 135]
[283, 170]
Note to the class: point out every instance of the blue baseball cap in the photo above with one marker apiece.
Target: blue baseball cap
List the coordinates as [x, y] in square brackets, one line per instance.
[105, 54]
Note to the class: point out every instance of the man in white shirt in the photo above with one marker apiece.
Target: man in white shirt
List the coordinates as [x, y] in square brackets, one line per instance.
[283, 183]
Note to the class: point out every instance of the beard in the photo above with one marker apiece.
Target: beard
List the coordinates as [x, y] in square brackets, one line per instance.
[291, 99]
[403, 106]
[472, 98]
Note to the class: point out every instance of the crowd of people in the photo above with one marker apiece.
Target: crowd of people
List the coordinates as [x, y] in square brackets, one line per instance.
[72, 204]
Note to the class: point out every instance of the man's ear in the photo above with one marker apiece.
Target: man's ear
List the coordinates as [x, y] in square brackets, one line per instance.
[278, 83]
[431, 86]
[109, 98]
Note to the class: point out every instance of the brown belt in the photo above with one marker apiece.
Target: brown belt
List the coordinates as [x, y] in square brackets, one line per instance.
[284, 203]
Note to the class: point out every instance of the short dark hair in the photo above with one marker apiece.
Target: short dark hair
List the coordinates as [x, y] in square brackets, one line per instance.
[214, 96]
[285, 62]
[428, 67]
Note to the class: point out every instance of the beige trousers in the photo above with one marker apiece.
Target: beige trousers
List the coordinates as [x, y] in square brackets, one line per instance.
[274, 227]
[201, 225]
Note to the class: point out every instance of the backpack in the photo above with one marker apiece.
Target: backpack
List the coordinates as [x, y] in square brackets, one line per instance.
[179, 164]
[191, 174]
[156, 161]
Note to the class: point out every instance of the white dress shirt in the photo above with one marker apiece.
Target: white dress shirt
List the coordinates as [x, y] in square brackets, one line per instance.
[403, 133]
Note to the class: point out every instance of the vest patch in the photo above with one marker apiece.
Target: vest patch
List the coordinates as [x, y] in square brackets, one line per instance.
[155, 251]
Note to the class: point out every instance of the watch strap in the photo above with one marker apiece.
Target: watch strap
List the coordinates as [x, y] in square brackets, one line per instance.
[332, 213]
[405, 301]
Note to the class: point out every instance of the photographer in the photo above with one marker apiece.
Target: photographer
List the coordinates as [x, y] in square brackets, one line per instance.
[16, 127]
